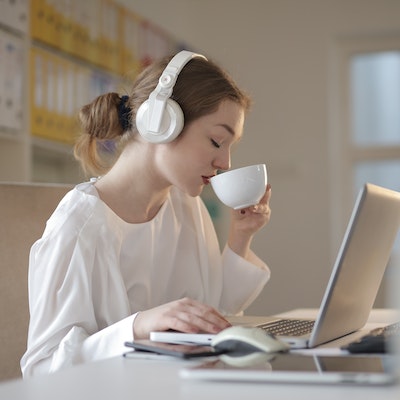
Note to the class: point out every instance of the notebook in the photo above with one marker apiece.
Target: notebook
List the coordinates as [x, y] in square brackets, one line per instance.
[354, 281]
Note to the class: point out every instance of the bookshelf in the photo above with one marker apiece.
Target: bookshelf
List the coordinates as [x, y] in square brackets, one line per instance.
[55, 56]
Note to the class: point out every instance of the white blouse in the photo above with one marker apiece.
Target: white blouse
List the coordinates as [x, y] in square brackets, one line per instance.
[91, 272]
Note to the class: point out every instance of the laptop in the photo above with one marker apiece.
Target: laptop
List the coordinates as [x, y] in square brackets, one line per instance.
[353, 284]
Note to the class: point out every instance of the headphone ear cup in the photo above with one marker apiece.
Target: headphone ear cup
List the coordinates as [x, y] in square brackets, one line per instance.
[171, 125]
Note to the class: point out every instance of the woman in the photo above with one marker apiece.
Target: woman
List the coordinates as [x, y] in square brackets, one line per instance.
[135, 251]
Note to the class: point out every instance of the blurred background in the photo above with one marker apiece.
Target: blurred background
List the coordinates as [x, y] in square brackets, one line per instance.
[324, 76]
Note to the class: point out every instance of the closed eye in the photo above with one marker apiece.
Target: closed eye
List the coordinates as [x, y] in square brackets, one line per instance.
[215, 144]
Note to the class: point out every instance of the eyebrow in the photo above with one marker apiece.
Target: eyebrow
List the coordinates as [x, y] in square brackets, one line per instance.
[228, 128]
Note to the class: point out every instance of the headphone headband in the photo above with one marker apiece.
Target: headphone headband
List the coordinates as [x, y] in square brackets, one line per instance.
[170, 74]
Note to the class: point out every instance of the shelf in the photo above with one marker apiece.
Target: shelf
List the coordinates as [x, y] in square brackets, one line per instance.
[52, 146]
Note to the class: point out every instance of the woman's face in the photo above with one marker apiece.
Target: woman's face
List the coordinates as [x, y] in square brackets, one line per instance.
[203, 147]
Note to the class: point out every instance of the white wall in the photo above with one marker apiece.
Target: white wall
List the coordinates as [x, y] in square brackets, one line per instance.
[280, 51]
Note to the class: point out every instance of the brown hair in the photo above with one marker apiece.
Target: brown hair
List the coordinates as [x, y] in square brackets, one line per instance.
[200, 88]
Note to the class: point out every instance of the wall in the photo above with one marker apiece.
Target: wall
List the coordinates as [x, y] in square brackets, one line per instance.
[281, 52]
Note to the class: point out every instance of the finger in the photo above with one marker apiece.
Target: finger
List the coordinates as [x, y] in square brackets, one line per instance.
[203, 317]
[267, 194]
[261, 209]
[208, 314]
[190, 323]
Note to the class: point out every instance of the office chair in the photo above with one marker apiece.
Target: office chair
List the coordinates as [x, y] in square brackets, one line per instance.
[24, 210]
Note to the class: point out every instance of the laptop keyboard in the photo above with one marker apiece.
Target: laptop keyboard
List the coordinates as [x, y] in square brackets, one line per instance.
[289, 327]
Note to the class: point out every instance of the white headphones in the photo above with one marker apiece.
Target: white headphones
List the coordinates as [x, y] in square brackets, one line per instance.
[160, 119]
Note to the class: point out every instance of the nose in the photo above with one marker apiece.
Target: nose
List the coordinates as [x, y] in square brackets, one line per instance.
[223, 161]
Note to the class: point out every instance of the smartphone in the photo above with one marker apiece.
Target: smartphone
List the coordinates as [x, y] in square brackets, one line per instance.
[176, 350]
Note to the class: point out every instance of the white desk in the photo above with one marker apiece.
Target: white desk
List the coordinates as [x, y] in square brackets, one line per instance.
[120, 378]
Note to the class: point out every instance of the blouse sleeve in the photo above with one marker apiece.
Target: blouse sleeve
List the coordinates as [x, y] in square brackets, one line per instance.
[66, 276]
[243, 280]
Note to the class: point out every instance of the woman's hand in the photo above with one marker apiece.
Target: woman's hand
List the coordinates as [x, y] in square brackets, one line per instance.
[246, 222]
[184, 315]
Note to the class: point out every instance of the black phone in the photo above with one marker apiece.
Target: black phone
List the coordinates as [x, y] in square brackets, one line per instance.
[176, 350]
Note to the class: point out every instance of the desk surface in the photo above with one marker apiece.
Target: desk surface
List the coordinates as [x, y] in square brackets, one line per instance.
[122, 378]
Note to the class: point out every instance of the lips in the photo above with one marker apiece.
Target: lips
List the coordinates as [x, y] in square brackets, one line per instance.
[206, 179]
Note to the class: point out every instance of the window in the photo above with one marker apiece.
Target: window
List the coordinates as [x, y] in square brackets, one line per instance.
[375, 99]
[375, 120]
[365, 136]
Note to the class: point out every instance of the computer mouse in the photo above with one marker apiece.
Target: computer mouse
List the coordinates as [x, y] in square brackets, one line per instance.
[244, 340]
